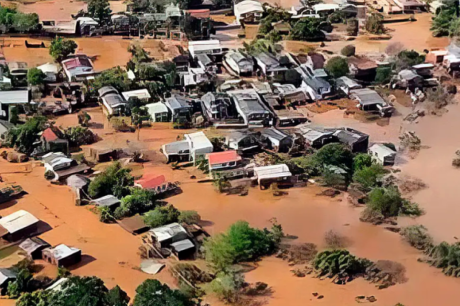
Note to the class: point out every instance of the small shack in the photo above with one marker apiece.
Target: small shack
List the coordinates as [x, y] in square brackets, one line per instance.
[357, 141]
[267, 175]
[109, 201]
[278, 140]
[62, 255]
[33, 247]
[135, 224]
[79, 185]
[316, 137]
[242, 141]
[158, 112]
[164, 236]
[382, 154]
[17, 225]
[223, 160]
[184, 249]
[53, 140]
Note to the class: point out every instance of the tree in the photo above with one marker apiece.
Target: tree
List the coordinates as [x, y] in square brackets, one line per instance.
[25, 22]
[408, 58]
[352, 27]
[337, 67]
[257, 46]
[374, 24]
[78, 136]
[116, 77]
[99, 9]
[417, 236]
[60, 49]
[383, 75]
[114, 180]
[307, 29]
[117, 297]
[23, 136]
[340, 263]
[152, 293]
[139, 200]
[35, 77]
[389, 203]
[444, 23]
[20, 284]
[226, 286]
[348, 50]
[189, 217]
[161, 216]
[334, 154]
[369, 177]
[361, 160]
[36, 298]
[14, 115]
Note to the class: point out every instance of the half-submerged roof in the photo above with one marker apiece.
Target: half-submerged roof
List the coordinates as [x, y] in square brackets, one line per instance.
[223, 157]
[17, 221]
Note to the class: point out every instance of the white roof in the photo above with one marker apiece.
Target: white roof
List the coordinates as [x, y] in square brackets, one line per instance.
[247, 6]
[63, 251]
[313, 134]
[198, 140]
[440, 52]
[382, 150]
[422, 66]
[17, 221]
[14, 97]
[203, 45]
[156, 108]
[6, 274]
[57, 285]
[166, 232]
[325, 6]
[49, 68]
[140, 93]
[272, 171]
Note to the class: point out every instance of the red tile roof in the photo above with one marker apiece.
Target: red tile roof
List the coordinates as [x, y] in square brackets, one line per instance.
[223, 157]
[151, 182]
[49, 135]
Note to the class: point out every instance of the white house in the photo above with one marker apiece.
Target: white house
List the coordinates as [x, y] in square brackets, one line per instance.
[78, 67]
[194, 145]
[239, 63]
[248, 11]
[209, 47]
[50, 70]
[382, 154]
[272, 173]
[158, 112]
[141, 94]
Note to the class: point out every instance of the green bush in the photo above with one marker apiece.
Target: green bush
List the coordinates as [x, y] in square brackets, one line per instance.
[189, 217]
[105, 214]
[138, 201]
[361, 160]
[348, 50]
[60, 49]
[374, 24]
[24, 136]
[334, 154]
[35, 77]
[226, 286]
[339, 263]
[337, 67]
[152, 293]
[369, 177]
[389, 203]
[161, 216]
[383, 75]
[417, 236]
[115, 180]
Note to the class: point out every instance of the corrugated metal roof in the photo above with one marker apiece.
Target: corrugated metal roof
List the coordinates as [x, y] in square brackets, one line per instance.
[62, 251]
[169, 231]
[273, 171]
[17, 221]
[106, 201]
[14, 97]
[366, 96]
[182, 245]
[382, 150]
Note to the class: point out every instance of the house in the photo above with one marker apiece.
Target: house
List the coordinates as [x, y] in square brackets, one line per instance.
[109, 201]
[50, 70]
[206, 63]
[58, 166]
[369, 100]
[286, 117]
[179, 106]
[425, 70]
[52, 140]
[408, 79]
[193, 77]
[324, 9]
[18, 69]
[158, 112]
[157, 183]
[134, 225]
[411, 5]
[217, 106]
[278, 140]
[270, 66]
[10, 98]
[382, 154]
[362, 68]
[239, 63]
[33, 247]
[316, 87]
[290, 94]
[194, 145]
[141, 94]
[184, 249]
[355, 140]
[113, 102]
[62, 255]
[248, 11]
[20, 224]
[78, 68]
[267, 175]
[242, 141]
[251, 108]
[223, 160]
[5, 127]
[79, 185]
[345, 85]
[164, 236]
[6, 276]
[316, 137]
[436, 56]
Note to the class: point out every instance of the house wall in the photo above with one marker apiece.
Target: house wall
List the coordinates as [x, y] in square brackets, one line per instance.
[24, 233]
[70, 260]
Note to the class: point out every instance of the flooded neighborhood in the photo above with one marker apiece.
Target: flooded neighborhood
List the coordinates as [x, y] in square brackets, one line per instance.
[229, 152]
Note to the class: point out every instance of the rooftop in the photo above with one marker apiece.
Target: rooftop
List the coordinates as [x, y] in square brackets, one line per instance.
[382, 150]
[366, 96]
[76, 62]
[182, 245]
[223, 157]
[62, 251]
[275, 134]
[152, 182]
[17, 221]
[106, 201]
[32, 244]
[169, 231]
[14, 96]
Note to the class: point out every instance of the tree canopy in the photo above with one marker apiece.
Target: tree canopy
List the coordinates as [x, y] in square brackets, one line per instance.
[337, 67]
[23, 136]
[116, 77]
[369, 177]
[115, 180]
[152, 293]
[60, 49]
[307, 29]
[334, 154]
[12, 20]
[35, 77]
[99, 9]
[161, 215]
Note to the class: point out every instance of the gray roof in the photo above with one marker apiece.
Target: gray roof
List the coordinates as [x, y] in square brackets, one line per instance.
[348, 82]
[382, 150]
[236, 136]
[349, 136]
[316, 83]
[204, 59]
[178, 101]
[30, 245]
[248, 100]
[182, 245]
[106, 89]
[6, 124]
[77, 181]
[114, 99]
[312, 134]
[5, 275]
[106, 201]
[408, 75]
[366, 96]
[14, 96]
[274, 133]
[268, 60]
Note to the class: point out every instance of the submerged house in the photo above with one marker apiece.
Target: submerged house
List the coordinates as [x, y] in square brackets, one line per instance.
[251, 108]
[159, 112]
[11, 98]
[278, 140]
[248, 11]
[269, 66]
[239, 63]
[217, 106]
[62, 255]
[174, 237]
[180, 107]
[53, 140]
[362, 68]
[357, 141]
[345, 85]
[316, 137]
[194, 145]
[78, 68]
[369, 100]
[242, 141]
[18, 225]
[223, 160]
[109, 201]
[382, 154]
[408, 79]
[211, 48]
[267, 175]
[33, 247]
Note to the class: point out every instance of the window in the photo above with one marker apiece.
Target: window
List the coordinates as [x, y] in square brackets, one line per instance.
[232, 163]
[224, 165]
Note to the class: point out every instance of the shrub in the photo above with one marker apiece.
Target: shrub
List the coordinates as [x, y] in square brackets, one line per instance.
[60, 49]
[189, 217]
[152, 293]
[369, 177]
[383, 75]
[138, 201]
[333, 179]
[161, 216]
[348, 50]
[417, 236]
[114, 180]
[333, 154]
[226, 286]
[361, 160]
[337, 67]
[79, 135]
[105, 215]
[35, 77]
[334, 240]
[408, 58]
[23, 137]
[339, 263]
[307, 29]
[389, 203]
[374, 24]
[352, 27]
